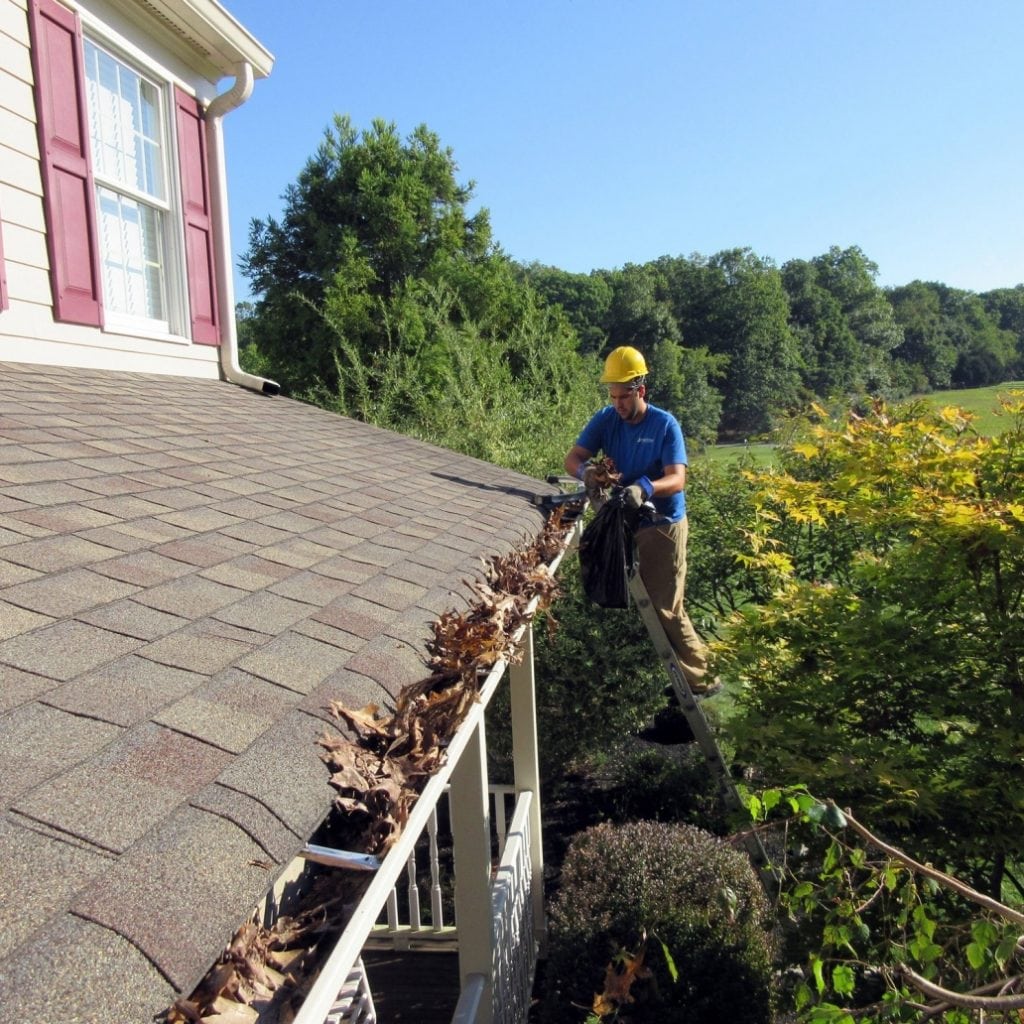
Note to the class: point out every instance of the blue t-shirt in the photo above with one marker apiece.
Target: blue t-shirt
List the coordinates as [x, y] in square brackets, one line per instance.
[640, 449]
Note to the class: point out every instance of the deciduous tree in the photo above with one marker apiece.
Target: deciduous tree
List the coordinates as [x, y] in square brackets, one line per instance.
[746, 317]
[889, 664]
[369, 212]
[585, 299]
[927, 354]
[849, 276]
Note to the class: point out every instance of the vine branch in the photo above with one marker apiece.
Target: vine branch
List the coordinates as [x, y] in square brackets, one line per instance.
[933, 873]
[969, 1000]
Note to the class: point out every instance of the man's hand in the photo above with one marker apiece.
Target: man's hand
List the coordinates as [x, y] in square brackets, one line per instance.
[597, 477]
[590, 481]
[634, 497]
[636, 494]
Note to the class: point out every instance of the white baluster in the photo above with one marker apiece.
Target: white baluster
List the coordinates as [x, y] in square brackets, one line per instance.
[436, 908]
[500, 824]
[414, 894]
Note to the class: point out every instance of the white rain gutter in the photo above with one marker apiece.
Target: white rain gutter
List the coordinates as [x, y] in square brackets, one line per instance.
[220, 105]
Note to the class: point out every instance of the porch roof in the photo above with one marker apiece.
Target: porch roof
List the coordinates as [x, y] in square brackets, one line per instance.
[189, 573]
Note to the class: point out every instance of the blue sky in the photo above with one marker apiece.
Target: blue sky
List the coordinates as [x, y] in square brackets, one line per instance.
[606, 132]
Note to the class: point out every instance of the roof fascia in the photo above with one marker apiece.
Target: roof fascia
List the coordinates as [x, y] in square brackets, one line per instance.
[202, 33]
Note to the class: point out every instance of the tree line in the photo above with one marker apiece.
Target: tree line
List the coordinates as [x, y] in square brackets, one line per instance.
[377, 291]
[759, 340]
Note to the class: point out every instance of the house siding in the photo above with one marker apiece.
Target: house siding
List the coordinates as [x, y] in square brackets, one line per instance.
[3, 267]
[29, 330]
[26, 262]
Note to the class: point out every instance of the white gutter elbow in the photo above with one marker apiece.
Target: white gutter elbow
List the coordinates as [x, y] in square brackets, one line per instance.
[220, 105]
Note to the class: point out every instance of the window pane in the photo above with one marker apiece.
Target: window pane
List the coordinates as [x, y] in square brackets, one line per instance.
[132, 256]
[130, 164]
[124, 123]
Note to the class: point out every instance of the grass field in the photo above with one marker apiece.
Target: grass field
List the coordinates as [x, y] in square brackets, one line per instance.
[759, 454]
[982, 402]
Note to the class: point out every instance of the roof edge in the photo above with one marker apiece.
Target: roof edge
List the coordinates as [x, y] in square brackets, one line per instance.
[205, 28]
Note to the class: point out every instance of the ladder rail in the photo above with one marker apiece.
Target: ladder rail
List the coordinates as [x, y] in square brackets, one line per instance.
[702, 731]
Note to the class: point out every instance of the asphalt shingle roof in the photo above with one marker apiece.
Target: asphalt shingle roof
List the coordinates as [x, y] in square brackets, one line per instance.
[189, 573]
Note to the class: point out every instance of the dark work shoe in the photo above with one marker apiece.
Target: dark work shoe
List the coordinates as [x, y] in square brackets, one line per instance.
[702, 689]
[669, 728]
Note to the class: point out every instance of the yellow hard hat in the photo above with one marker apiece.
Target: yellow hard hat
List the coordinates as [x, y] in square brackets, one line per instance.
[623, 365]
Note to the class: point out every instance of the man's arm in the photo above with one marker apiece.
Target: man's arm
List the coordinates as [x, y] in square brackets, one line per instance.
[576, 457]
[672, 481]
[644, 488]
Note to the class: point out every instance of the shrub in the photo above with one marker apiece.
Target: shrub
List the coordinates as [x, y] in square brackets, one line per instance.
[676, 885]
[672, 784]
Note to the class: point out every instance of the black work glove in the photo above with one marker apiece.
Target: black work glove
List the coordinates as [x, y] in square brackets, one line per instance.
[637, 493]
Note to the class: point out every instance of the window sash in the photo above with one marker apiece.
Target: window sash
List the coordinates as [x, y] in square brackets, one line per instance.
[131, 247]
[124, 125]
[130, 170]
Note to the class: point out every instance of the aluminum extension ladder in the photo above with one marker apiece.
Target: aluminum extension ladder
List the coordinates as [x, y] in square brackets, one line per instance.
[701, 730]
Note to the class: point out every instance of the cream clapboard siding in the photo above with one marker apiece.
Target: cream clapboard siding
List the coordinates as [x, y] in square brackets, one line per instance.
[28, 332]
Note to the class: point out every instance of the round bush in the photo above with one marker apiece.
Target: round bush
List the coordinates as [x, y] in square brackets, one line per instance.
[656, 783]
[680, 886]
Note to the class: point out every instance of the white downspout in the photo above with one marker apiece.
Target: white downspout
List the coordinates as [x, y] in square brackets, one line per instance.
[219, 106]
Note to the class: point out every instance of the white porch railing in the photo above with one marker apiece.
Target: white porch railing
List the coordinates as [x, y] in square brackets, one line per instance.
[354, 1003]
[419, 910]
[514, 954]
[515, 939]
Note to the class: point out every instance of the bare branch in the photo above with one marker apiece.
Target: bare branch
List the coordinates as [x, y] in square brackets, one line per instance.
[970, 1000]
[934, 1009]
[871, 899]
[938, 876]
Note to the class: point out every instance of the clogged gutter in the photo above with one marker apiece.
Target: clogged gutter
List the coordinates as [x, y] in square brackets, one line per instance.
[378, 779]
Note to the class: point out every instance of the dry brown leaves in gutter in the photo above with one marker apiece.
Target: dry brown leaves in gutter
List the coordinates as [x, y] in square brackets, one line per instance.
[258, 967]
[379, 777]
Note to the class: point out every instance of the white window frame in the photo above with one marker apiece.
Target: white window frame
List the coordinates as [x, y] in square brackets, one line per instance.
[176, 324]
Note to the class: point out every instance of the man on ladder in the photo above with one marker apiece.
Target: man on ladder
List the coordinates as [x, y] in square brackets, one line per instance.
[647, 447]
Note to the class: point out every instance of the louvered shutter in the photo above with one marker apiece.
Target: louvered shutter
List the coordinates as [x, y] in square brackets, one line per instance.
[69, 197]
[195, 199]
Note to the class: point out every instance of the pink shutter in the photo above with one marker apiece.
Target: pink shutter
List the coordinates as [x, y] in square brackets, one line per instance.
[200, 257]
[69, 197]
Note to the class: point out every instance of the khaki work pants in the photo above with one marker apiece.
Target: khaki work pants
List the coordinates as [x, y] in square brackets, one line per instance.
[662, 554]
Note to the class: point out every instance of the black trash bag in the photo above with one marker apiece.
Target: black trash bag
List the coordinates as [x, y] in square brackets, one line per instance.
[607, 554]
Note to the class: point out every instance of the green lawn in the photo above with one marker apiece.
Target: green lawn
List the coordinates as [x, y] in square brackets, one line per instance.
[757, 454]
[983, 402]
